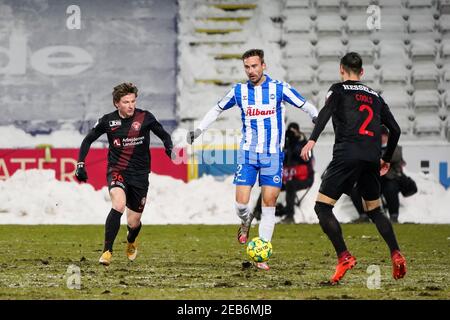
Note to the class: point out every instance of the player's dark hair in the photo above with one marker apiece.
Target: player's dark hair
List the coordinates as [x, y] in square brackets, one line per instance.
[352, 63]
[122, 90]
[254, 53]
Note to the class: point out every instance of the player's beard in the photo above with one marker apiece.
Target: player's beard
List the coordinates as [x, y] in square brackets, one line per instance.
[257, 80]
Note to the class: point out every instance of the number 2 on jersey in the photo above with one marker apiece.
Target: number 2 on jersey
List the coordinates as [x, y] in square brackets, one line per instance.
[363, 129]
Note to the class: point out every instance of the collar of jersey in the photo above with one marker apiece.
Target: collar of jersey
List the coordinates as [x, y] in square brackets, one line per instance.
[125, 119]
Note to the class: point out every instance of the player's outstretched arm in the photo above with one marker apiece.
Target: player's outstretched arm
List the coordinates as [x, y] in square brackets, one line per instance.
[165, 137]
[292, 96]
[81, 173]
[225, 103]
[207, 120]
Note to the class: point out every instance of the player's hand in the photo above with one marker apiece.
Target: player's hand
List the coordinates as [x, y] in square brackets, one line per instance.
[192, 135]
[170, 153]
[306, 151]
[81, 173]
[384, 167]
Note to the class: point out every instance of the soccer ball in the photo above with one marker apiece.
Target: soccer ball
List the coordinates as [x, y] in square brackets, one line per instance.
[259, 250]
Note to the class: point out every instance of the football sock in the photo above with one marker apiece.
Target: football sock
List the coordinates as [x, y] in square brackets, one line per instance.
[112, 227]
[133, 233]
[242, 211]
[330, 226]
[384, 227]
[267, 223]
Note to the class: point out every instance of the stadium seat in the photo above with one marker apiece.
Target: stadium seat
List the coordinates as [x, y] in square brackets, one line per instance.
[330, 24]
[412, 4]
[302, 48]
[421, 21]
[364, 47]
[405, 119]
[301, 22]
[304, 4]
[327, 5]
[359, 4]
[330, 49]
[396, 97]
[447, 101]
[443, 6]
[328, 72]
[425, 71]
[428, 125]
[391, 3]
[371, 76]
[444, 23]
[301, 73]
[445, 53]
[426, 101]
[392, 52]
[356, 24]
[446, 76]
[423, 48]
[393, 27]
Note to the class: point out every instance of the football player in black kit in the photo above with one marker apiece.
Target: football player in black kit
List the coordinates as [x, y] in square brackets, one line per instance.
[357, 113]
[128, 130]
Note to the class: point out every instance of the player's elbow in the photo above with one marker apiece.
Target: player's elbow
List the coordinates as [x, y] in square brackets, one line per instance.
[395, 130]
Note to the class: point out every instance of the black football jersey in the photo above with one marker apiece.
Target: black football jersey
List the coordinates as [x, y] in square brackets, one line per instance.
[129, 140]
[357, 113]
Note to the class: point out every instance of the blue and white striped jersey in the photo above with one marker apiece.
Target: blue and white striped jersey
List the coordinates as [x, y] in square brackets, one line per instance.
[263, 113]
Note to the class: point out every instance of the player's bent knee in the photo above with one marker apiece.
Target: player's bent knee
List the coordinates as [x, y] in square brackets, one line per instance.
[119, 207]
[269, 202]
[133, 224]
[322, 208]
[370, 205]
[374, 214]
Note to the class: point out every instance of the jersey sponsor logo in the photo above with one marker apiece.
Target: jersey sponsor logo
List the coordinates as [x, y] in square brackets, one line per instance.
[359, 87]
[115, 123]
[136, 126]
[117, 143]
[252, 112]
[126, 142]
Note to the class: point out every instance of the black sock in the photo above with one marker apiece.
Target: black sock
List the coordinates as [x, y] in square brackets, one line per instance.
[330, 226]
[112, 227]
[133, 233]
[384, 227]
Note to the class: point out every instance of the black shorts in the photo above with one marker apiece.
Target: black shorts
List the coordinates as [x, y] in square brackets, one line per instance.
[135, 188]
[341, 175]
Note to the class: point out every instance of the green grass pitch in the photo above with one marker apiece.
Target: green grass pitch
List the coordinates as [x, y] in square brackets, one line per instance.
[205, 262]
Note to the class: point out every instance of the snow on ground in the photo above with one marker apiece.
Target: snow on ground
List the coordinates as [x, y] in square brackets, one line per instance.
[36, 197]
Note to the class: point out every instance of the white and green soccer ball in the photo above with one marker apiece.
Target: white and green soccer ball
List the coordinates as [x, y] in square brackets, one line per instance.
[259, 250]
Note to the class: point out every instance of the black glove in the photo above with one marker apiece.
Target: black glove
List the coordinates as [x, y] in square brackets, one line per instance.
[169, 152]
[192, 135]
[314, 120]
[81, 173]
